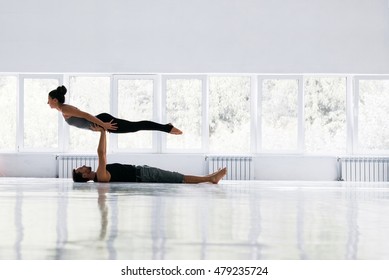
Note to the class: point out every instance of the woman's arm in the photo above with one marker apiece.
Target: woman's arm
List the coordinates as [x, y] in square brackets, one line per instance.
[69, 110]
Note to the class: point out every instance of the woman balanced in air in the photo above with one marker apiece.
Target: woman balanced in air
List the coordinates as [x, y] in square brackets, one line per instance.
[75, 117]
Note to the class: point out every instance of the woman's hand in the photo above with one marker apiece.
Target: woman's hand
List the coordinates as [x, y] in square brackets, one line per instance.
[110, 125]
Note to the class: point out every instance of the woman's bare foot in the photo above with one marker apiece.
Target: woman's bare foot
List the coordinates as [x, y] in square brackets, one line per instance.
[217, 176]
[175, 130]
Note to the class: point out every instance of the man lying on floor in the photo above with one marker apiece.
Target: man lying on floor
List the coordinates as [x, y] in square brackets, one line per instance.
[116, 172]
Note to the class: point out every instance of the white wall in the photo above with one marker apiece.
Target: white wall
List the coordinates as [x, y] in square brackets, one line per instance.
[295, 167]
[28, 165]
[269, 167]
[189, 36]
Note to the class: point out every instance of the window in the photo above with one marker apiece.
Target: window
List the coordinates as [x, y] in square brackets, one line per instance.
[325, 114]
[8, 94]
[292, 114]
[92, 95]
[184, 109]
[40, 123]
[279, 112]
[229, 114]
[135, 103]
[373, 113]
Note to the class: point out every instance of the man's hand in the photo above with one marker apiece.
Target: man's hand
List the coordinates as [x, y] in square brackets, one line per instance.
[96, 127]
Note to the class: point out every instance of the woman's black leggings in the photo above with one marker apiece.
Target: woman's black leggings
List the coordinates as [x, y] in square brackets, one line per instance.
[124, 126]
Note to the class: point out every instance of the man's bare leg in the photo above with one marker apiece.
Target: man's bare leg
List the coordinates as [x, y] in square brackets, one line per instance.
[213, 178]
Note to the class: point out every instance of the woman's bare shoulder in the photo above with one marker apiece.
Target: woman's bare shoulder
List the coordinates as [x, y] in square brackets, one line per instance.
[69, 110]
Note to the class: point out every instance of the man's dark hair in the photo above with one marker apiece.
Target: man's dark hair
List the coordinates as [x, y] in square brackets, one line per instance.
[77, 177]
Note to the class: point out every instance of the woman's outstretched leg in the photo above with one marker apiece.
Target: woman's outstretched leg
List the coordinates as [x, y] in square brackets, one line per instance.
[124, 126]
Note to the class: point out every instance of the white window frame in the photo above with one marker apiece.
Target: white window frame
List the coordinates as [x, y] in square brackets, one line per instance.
[253, 113]
[65, 127]
[300, 114]
[348, 98]
[17, 108]
[159, 111]
[204, 113]
[115, 106]
[20, 114]
[350, 122]
[356, 145]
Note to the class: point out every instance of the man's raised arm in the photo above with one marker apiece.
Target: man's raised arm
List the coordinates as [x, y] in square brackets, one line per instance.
[101, 172]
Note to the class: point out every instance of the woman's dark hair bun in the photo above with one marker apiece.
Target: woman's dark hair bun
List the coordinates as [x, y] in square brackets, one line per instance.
[62, 90]
[59, 94]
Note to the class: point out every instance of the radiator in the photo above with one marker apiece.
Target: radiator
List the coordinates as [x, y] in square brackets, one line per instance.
[367, 169]
[238, 167]
[66, 163]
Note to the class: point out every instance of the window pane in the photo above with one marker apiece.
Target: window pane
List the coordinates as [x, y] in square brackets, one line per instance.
[92, 95]
[135, 103]
[40, 122]
[279, 114]
[325, 114]
[373, 127]
[229, 109]
[183, 110]
[8, 87]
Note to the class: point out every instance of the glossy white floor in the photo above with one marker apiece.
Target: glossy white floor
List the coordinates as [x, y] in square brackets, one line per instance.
[58, 219]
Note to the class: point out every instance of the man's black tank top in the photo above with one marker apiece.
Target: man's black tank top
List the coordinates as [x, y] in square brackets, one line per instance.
[121, 172]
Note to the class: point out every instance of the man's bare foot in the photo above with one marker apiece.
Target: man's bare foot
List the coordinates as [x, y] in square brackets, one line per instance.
[175, 130]
[214, 173]
[217, 176]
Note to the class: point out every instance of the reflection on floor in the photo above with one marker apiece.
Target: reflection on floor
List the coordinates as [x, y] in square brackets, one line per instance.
[58, 219]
